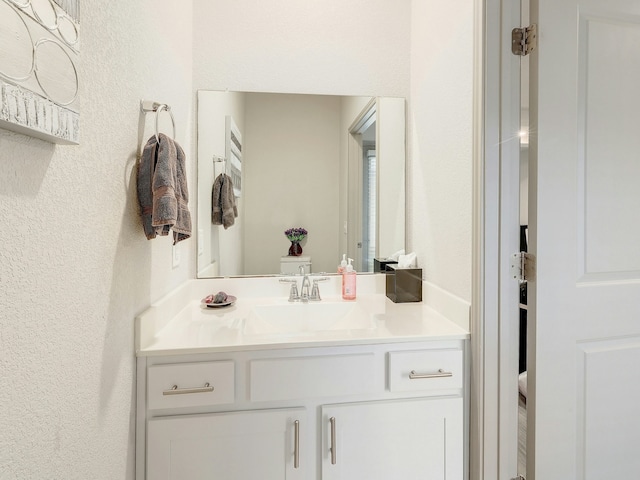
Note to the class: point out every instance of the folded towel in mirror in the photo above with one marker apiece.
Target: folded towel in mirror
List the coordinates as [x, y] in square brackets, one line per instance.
[223, 202]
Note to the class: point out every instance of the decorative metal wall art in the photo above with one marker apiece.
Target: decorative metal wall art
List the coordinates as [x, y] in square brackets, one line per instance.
[39, 53]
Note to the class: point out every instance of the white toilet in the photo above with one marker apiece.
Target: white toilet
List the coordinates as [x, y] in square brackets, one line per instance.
[290, 265]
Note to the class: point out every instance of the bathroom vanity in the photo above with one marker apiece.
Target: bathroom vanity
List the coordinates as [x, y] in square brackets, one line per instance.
[341, 390]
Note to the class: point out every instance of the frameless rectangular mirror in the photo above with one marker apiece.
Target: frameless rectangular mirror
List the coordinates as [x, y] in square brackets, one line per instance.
[333, 165]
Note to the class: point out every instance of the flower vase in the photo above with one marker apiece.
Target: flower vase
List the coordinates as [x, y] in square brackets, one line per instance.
[295, 250]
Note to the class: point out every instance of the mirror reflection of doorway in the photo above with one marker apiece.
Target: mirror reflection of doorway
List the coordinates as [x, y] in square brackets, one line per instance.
[363, 133]
[369, 204]
[375, 183]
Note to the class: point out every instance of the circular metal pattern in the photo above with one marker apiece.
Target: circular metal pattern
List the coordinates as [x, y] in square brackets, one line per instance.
[21, 4]
[17, 53]
[67, 29]
[55, 72]
[45, 12]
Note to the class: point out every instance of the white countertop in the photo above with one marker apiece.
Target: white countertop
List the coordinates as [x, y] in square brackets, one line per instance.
[179, 324]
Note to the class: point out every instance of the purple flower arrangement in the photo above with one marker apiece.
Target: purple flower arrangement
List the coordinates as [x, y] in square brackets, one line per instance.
[295, 234]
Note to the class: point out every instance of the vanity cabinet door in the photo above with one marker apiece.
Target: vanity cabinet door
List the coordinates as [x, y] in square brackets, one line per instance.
[404, 439]
[230, 446]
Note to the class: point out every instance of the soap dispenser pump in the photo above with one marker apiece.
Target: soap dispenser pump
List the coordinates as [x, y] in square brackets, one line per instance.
[349, 282]
[343, 264]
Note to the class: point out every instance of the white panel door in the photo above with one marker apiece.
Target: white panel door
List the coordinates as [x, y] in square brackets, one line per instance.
[408, 439]
[259, 444]
[584, 229]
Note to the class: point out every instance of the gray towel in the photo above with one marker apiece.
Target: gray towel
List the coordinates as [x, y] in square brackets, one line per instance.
[223, 202]
[162, 189]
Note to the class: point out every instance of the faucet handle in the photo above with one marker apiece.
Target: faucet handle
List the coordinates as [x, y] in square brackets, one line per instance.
[315, 290]
[302, 268]
[294, 296]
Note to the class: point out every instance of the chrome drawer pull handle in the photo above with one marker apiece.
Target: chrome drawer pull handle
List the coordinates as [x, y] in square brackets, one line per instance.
[296, 451]
[332, 420]
[181, 391]
[441, 374]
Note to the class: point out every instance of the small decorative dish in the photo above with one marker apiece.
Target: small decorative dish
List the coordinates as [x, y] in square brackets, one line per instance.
[209, 302]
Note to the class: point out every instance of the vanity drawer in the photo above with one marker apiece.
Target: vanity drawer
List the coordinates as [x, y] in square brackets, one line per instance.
[190, 384]
[308, 377]
[425, 370]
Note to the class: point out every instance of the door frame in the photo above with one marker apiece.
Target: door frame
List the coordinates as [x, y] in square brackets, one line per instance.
[494, 313]
[365, 118]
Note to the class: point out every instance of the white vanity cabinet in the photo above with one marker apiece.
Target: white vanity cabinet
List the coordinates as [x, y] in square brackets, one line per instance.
[234, 445]
[375, 411]
[404, 439]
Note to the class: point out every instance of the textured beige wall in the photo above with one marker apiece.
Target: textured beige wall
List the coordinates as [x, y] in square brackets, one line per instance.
[298, 152]
[439, 189]
[359, 47]
[75, 267]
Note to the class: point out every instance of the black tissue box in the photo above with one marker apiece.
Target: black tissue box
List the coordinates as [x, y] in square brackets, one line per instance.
[404, 284]
[380, 264]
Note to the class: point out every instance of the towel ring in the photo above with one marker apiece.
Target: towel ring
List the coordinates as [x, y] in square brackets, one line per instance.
[173, 122]
[150, 106]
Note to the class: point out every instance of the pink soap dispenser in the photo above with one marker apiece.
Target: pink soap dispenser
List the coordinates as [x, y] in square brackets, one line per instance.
[349, 282]
[343, 264]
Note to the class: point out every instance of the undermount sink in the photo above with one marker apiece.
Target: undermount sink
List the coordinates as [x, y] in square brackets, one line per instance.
[306, 318]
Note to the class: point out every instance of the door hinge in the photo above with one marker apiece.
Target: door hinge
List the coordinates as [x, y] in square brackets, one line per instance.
[523, 267]
[524, 40]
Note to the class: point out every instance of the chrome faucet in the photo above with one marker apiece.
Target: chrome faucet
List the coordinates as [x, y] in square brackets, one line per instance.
[315, 291]
[304, 295]
[306, 284]
[293, 293]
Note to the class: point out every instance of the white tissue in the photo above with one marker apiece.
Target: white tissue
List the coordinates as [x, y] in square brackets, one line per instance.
[396, 255]
[407, 261]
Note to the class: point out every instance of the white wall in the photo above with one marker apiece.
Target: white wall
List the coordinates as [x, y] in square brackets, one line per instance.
[440, 132]
[391, 151]
[75, 266]
[359, 47]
